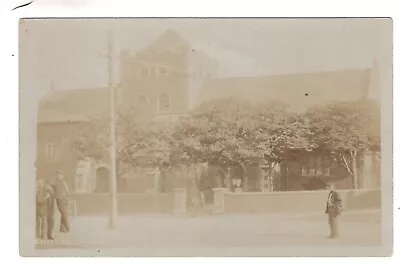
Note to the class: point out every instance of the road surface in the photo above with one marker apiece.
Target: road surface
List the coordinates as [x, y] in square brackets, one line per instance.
[240, 230]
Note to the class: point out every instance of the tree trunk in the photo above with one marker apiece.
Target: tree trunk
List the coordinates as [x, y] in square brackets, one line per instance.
[219, 180]
[355, 170]
[245, 178]
[262, 180]
[157, 181]
[229, 180]
[270, 179]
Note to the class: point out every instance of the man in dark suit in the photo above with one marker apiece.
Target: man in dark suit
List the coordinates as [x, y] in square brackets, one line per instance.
[50, 213]
[44, 211]
[333, 209]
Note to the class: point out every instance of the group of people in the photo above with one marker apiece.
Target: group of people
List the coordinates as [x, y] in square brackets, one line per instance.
[50, 194]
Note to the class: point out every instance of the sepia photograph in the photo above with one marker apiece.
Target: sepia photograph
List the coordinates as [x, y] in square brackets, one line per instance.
[205, 137]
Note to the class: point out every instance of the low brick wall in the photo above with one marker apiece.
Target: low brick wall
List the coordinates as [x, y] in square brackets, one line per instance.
[300, 201]
[99, 204]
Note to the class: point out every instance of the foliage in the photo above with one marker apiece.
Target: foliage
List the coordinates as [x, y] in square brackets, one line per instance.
[347, 126]
[231, 131]
[139, 141]
[346, 129]
[228, 131]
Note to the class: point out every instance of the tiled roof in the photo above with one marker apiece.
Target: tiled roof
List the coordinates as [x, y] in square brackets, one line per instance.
[297, 90]
[55, 116]
[73, 105]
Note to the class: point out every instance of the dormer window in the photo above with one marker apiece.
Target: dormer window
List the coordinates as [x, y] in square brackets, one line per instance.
[163, 103]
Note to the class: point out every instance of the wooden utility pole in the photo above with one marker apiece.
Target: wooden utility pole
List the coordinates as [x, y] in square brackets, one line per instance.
[113, 171]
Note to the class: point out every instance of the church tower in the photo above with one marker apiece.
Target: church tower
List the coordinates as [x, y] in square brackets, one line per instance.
[161, 77]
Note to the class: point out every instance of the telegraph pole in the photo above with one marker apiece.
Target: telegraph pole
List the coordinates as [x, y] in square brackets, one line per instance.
[113, 171]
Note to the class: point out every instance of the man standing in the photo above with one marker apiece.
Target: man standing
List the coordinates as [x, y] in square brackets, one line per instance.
[50, 212]
[333, 209]
[43, 194]
[62, 195]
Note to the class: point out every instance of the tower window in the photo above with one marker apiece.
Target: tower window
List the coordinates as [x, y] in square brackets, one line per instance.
[142, 100]
[144, 71]
[163, 71]
[163, 103]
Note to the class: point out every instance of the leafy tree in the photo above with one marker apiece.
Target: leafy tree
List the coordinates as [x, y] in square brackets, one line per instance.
[140, 141]
[347, 129]
[231, 132]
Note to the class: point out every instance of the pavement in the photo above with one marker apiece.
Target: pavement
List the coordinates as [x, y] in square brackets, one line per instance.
[358, 228]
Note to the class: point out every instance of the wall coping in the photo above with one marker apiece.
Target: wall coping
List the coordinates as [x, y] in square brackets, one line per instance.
[122, 194]
[299, 192]
[179, 189]
[220, 189]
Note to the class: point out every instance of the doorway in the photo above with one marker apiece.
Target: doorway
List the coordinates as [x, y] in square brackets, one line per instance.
[102, 180]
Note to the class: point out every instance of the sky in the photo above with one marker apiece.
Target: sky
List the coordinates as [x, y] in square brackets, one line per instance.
[69, 53]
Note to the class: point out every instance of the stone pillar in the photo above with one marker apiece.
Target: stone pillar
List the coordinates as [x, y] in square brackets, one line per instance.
[179, 202]
[219, 201]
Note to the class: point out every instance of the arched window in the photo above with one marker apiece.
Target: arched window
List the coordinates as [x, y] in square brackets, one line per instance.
[163, 103]
[142, 100]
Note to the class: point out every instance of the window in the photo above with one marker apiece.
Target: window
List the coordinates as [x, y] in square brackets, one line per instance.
[144, 71]
[142, 100]
[304, 169]
[327, 166]
[52, 150]
[163, 103]
[163, 71]
[319, 165]
[311, 169]
[81, 136]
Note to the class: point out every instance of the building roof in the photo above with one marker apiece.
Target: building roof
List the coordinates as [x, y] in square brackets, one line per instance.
[297, 90]
[73, 105]
[55, 116]
[169, 40]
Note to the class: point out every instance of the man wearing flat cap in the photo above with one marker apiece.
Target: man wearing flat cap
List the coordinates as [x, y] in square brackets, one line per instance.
[333, 209]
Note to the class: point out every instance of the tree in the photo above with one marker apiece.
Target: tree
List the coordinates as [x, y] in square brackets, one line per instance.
[231, 132]
[347, 129]
[140, 140]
